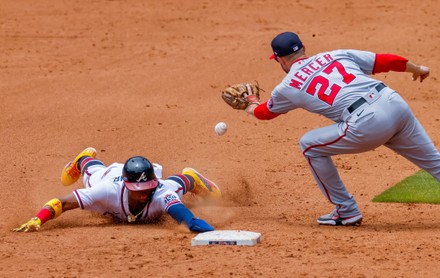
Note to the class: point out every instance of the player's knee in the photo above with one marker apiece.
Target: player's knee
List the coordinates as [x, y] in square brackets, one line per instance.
[305, 142]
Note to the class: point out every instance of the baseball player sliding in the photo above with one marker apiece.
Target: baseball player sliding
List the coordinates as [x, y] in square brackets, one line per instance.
[366, 112]
[130, 192]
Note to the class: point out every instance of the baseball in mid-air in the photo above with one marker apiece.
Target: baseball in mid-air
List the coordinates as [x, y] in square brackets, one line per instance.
[221, 128]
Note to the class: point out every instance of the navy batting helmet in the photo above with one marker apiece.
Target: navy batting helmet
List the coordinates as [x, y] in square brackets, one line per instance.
[138, 174]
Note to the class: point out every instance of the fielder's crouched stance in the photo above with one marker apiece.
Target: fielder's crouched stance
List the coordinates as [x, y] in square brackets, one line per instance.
[130, 192]
[366, 113]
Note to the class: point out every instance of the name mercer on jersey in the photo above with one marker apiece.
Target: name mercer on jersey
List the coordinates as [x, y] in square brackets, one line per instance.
[304, 73]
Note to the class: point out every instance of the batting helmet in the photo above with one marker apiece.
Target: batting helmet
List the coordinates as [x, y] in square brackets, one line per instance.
[138, 174]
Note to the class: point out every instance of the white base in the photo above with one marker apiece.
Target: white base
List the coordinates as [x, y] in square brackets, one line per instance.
[227, 237]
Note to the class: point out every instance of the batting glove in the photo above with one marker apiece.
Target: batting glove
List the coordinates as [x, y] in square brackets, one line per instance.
[32, 225]
[199, 225]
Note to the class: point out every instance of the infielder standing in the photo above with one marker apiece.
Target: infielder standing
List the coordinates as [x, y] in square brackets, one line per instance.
[130, 192]
[367, 114]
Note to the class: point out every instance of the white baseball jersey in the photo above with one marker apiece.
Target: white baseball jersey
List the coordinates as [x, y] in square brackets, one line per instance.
[106, 194]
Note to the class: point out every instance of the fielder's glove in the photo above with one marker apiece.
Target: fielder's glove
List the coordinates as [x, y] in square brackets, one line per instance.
[240, 96]
[32, 225]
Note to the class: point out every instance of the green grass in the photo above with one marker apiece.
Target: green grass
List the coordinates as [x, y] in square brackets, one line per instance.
[418, 188]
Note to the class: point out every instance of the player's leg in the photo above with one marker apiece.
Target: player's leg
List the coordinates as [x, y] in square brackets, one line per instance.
[201, 185]
[413, 143]
[94, 171]
[192, 181]
[362, 132]
[71, 172]
[86, 165]
[318, 146]
[178, 183]
[367, 128]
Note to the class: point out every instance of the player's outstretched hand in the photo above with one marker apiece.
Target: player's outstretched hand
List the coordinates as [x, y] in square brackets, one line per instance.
[199, 225]
[422, 72]
[32, 225]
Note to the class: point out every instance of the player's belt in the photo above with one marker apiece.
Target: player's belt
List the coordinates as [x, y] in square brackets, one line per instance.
[362, 100]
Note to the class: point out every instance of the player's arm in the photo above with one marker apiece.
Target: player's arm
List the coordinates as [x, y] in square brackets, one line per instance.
[261, 111]
[391, 62]
[182, 214]
[51, 210]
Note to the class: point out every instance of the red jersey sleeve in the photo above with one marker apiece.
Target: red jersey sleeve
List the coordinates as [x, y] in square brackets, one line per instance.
[261, 112]
[387, 62]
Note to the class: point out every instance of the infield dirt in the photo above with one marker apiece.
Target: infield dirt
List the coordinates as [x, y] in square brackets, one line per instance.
[144, 78]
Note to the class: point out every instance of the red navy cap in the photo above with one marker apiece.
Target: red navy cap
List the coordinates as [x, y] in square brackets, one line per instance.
[284, 44]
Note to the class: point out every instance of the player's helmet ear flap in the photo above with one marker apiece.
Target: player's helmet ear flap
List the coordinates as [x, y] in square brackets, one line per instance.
[138, 174]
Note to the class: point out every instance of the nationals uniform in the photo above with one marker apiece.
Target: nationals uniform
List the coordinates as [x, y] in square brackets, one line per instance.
[367, 113]
[106, 193]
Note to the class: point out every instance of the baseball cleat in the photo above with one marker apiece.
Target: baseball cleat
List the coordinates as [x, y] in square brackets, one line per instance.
[202, 186]
[71, 172]
[334, 219]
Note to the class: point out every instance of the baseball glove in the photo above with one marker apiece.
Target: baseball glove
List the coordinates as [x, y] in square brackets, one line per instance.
[240, 96]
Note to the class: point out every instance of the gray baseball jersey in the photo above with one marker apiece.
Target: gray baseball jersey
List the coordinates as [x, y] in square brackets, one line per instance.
[367, 114]
[325, 84]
